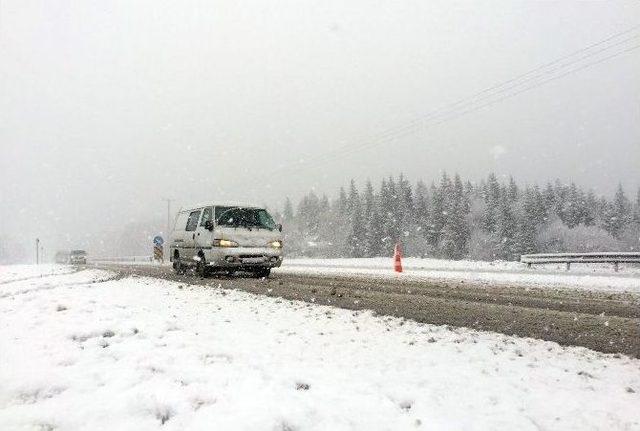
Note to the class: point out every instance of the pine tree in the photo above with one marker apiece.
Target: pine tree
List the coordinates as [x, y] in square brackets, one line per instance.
[528, 221]
[591, 209]
[436, 219]
[561, 193]
[507, 230]
[375, 243]
[492, 202]
[636, 211]
[309, 215]
[342, 204]
[392, 219]
[460, 195]
[541, 215]
[405, 213]
[574, 209]
[372, 237]
[619, 213]
[385, 214]
[288, 211]
[513, 190]
[422, 208]
[469, 190]
[441, 207]
[353, 199]
[549, 198]
[357, 239]
[324, 203]
[455, 234]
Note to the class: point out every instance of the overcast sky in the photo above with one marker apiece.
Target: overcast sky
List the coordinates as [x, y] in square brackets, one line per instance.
[107, 107]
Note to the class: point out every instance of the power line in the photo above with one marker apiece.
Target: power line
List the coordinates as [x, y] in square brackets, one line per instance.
[494, 101]
[412, 126]
[488, 93]
[507, 96]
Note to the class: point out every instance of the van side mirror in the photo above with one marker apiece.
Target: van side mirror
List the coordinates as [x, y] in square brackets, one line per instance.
[208, 225]
[279, 225]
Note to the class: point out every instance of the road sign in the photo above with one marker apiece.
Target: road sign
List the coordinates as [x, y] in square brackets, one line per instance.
[158, 240]
[157, 253]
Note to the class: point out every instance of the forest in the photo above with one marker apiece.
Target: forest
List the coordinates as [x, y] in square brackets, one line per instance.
[457, 219]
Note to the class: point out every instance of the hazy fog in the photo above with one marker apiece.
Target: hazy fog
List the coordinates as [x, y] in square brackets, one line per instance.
[108, 107]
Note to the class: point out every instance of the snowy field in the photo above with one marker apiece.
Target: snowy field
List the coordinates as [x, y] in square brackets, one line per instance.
[83, 351]
[581, 276]
[16, 272]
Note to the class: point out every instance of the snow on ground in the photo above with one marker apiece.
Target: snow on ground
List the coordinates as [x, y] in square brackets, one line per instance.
[145, 354]
[18, 272]
[58, 280]
[581, 276]
[415, 263]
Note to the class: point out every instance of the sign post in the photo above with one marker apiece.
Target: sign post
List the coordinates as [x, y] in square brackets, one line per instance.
[158, 254]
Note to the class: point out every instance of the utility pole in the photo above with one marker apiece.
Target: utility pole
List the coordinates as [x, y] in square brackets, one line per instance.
[37, 251]
[168, 217]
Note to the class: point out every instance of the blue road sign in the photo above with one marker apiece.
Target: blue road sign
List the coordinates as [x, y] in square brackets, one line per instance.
[158, 241]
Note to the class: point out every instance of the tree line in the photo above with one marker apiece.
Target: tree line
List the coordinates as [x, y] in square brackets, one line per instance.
[456, 219]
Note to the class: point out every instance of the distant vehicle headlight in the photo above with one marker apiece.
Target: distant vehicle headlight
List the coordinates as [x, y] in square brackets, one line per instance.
[224, 243]
[275, 244]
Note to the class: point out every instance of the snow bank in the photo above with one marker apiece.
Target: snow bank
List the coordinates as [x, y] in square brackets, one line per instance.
[583, 276]
[145, 354]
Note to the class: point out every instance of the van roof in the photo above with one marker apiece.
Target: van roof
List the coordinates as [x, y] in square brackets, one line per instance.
[220, 204]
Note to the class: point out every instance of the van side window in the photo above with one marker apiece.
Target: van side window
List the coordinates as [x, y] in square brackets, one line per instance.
[192, 223]
[221, 210]
[206, 216]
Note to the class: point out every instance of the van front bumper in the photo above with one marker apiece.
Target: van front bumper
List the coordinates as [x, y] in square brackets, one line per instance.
[243, 257]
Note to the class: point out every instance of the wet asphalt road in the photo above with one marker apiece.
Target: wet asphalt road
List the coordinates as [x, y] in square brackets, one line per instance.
[607, 322]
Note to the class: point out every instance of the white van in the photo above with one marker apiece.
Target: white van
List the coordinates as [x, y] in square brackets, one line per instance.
[225, 237]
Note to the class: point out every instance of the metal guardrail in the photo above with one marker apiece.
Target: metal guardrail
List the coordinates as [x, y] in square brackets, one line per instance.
[568, 258]
[123, 259]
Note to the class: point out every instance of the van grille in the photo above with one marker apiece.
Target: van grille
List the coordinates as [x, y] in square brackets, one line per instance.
[251, 256]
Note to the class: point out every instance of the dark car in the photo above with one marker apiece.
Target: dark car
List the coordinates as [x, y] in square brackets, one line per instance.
[62, 257]
[78, 257]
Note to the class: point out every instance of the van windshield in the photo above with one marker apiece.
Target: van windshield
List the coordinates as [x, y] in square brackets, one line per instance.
[244, 217]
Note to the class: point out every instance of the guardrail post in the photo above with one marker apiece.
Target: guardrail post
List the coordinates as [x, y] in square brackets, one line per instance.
[568, 266]
[615, 266]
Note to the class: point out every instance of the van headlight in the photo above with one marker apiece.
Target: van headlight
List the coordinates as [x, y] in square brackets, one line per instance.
[224, 243]
[275, 244]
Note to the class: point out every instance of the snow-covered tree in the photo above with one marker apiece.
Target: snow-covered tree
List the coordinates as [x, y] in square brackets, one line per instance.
[457, 219]
[287, 214]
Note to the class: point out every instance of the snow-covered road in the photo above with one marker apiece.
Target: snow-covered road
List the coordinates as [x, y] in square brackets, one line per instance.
[80, 351]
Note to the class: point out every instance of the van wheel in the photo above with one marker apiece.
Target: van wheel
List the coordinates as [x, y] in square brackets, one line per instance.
[262, 272]
[201, 267]
[178, 267]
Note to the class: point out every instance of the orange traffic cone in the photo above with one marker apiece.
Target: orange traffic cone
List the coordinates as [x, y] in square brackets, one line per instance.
[397, 258]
